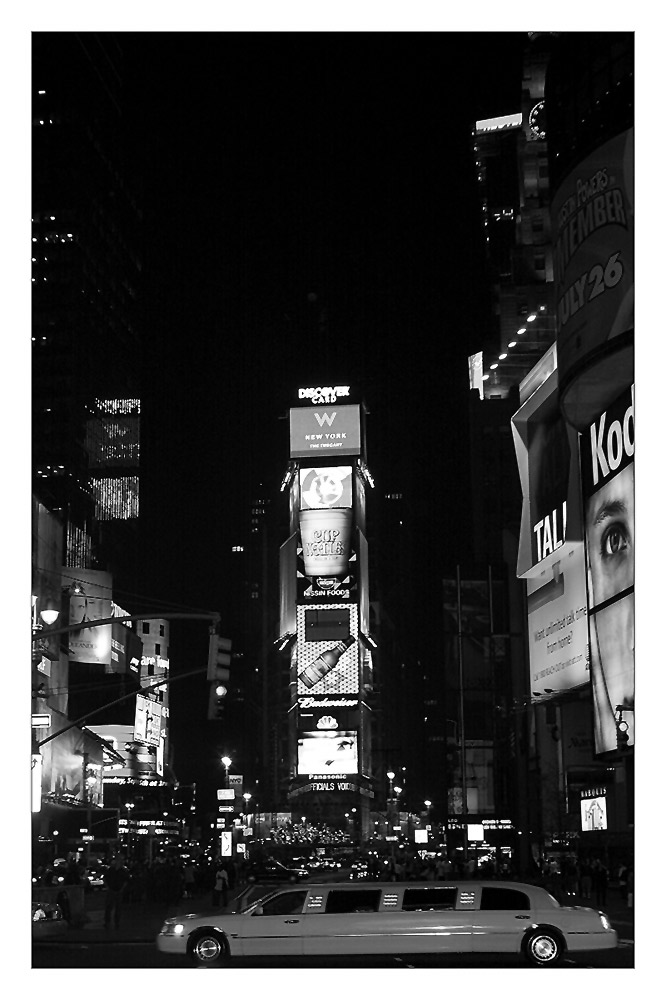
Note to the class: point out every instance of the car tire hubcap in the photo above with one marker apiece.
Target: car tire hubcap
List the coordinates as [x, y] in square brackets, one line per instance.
[544, 949]
[207, 949]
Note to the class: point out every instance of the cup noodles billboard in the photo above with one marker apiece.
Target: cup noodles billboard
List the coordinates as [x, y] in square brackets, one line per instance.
[551, 556]
[326, 431]
[326, 487]
[593, 231]
[607, 469]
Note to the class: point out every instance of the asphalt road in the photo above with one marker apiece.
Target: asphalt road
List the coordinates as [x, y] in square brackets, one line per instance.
[140, 955]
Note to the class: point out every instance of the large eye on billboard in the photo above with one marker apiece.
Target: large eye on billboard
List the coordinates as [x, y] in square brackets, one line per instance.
[326, 487]
[607, 464]
[324, 431]
[328, 752]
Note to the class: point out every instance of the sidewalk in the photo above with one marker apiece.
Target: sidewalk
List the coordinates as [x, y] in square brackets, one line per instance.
[139, 922]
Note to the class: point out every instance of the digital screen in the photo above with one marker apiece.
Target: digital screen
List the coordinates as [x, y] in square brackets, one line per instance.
[328, 752]
[322, 624]
[326, 487]
[327, 430]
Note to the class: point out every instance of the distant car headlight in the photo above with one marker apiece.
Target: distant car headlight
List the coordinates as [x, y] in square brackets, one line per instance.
[172, 928]
[605, 922]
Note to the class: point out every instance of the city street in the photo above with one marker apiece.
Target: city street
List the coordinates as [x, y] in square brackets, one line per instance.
[133, 947]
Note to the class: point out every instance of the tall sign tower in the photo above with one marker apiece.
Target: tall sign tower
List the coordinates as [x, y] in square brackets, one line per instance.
[324, 611]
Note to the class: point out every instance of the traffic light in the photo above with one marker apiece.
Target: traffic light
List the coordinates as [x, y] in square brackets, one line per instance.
[219, 659]
[622, 730]
[216, 696]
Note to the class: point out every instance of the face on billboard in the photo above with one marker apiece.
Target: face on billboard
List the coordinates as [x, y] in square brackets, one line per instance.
[609, 534]
[593, 814]
[328, 752]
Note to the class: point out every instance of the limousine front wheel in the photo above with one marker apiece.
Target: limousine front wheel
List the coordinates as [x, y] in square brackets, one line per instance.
[208, 949]
[543, 947]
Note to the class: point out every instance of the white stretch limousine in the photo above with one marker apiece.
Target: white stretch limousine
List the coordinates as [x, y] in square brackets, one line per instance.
[391, 918]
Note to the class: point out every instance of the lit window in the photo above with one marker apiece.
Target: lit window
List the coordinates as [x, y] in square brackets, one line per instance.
[493, 366]
[502, 357]
[512, 343]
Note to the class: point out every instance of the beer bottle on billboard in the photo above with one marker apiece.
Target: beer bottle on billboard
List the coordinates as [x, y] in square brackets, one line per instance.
[324, 662]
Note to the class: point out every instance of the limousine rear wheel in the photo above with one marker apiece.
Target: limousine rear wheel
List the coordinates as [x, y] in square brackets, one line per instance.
[208, 948]
[544, 947]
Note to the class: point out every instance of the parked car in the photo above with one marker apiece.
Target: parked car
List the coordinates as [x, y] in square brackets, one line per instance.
[339, 918]
[275, 871]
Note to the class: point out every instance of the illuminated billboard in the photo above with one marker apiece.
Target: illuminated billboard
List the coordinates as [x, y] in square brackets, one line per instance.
[329, 431]
[326, 487]
[90, 600]
[593, 810]
[551, 556]
[607, 468]
[147, 721]
[327, 651]
[324, 752]
[592, 214]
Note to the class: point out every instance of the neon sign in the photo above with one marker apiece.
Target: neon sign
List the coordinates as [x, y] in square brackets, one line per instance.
[324, 394]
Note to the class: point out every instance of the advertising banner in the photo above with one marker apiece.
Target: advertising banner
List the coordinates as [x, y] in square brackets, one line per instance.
[551, 556]
[593, 812]
[90, 600]
[326, 537]
[323, 715]
[327, 666]
[329, 431]
[593, 229]
[326, 487]
[607, 469]
[147, 721]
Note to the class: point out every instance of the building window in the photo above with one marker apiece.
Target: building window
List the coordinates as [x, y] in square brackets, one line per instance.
[157, 648]
[146, 628]
[161, 629]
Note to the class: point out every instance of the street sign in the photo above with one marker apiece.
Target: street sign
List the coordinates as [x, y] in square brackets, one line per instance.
[226, 809]
[236, 779]
[42, 721]
[226, 793]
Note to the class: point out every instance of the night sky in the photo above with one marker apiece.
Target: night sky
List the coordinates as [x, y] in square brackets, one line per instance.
[311, 216]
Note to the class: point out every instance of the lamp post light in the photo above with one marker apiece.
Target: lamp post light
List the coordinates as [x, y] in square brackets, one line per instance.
[129, 806]
[428, 804]
[226, 761]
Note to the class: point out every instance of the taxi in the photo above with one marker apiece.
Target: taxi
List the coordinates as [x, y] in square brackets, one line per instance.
[391, 918]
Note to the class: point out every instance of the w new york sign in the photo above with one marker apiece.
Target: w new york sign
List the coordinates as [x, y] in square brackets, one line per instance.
[324, 431]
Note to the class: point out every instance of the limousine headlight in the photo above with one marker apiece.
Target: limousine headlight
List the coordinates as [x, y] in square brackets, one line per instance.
[172, 928]
[605, 922]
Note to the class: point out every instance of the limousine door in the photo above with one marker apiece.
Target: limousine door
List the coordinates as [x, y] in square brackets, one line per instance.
[277, 928]
[501, 919]
[373, 921]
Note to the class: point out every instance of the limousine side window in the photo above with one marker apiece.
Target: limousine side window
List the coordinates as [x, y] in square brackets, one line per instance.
[286, 902]
[499, 898]
[353, 900]
[429, 899]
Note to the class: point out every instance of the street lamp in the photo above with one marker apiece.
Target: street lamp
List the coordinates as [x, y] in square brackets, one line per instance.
[227, 763]
[129, 806]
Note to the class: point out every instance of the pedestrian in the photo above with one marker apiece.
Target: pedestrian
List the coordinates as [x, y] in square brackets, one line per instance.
[116, 878]
[188, 880]
[600, 882]
[630, 887]
[221, 887]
